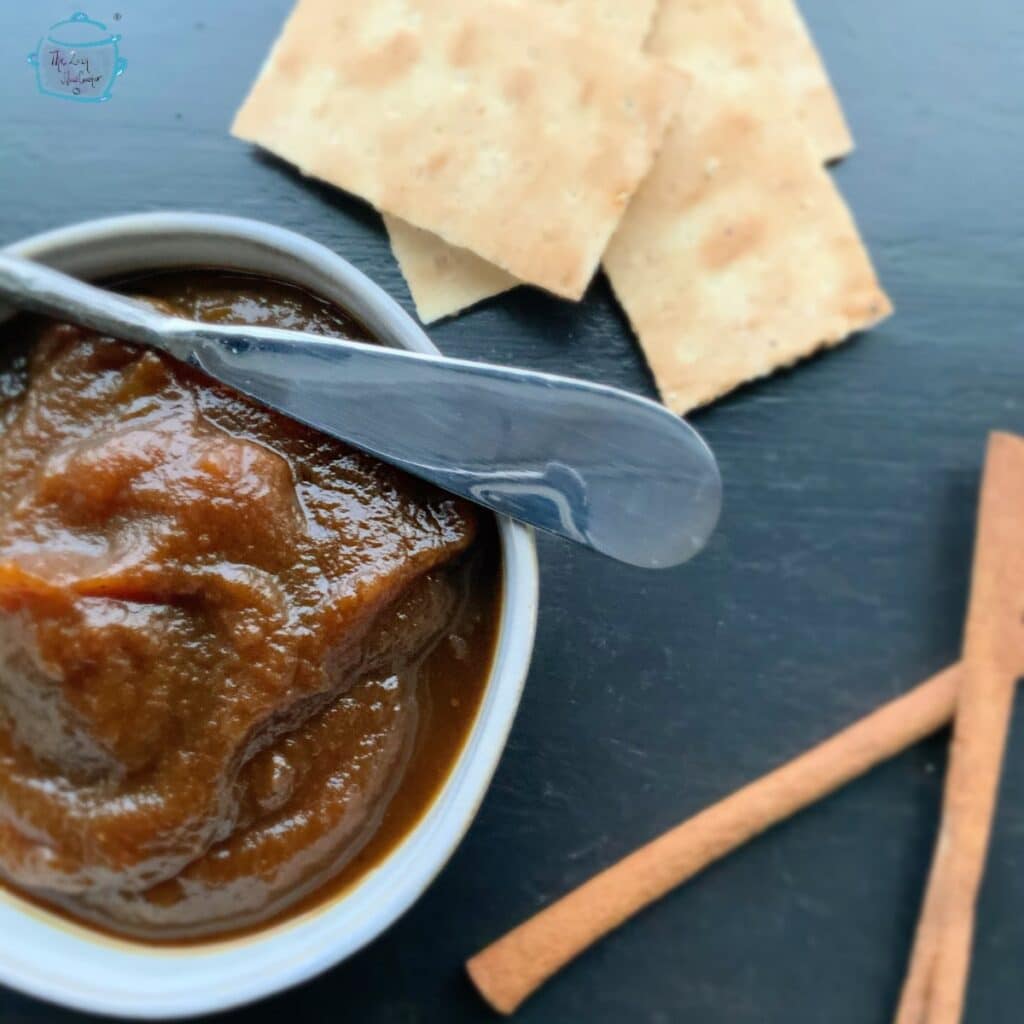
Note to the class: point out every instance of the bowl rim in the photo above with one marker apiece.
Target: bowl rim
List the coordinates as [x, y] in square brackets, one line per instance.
[43, 955]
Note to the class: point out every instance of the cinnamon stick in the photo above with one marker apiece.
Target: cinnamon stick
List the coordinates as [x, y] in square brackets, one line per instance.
[993, 661]
[510, 969]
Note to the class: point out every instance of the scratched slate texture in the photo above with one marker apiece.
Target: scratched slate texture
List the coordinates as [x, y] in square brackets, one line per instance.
[836, 580]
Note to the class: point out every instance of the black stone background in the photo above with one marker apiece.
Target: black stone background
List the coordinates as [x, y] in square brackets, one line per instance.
[837, 578]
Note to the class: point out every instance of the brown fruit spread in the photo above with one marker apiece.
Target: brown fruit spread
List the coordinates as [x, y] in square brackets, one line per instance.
[237, 657]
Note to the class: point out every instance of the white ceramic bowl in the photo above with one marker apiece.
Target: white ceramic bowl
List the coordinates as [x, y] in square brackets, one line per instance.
[46, 956]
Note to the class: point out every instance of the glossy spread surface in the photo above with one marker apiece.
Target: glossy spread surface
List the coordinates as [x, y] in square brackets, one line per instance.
[235, 655]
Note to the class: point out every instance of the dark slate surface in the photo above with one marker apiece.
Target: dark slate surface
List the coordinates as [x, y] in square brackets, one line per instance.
[837, 578]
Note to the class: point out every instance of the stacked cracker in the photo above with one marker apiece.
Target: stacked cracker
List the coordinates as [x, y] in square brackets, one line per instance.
[528, 141]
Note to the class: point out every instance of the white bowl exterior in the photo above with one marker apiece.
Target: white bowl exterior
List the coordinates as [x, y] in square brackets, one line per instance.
[42, 954]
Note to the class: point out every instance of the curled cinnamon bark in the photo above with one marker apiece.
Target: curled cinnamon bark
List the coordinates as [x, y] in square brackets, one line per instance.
[510, 969]
[993, 661]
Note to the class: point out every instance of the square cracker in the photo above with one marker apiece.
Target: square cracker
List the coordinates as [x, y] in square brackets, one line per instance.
[788, 40]
[737, 255]
[484, 123]
[444, 279]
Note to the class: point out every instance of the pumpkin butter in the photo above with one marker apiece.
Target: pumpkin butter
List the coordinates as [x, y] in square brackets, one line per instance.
[237, 657]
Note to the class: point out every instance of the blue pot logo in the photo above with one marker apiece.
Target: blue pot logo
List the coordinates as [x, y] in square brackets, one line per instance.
[77, 60]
